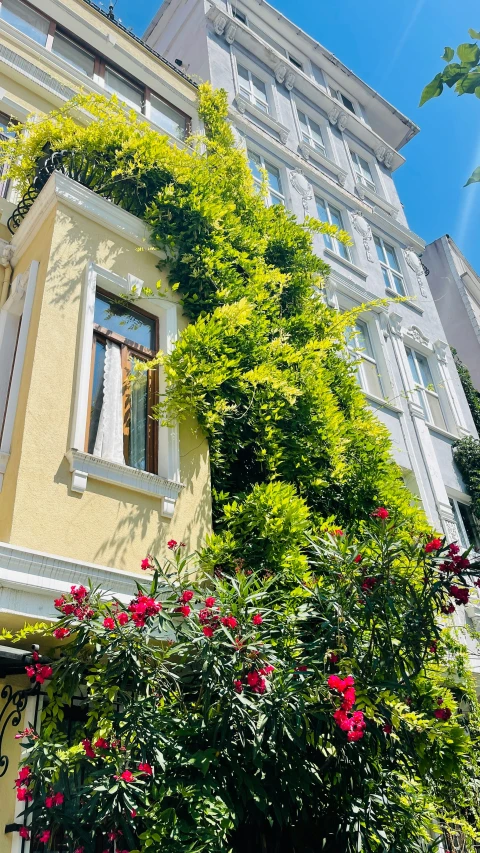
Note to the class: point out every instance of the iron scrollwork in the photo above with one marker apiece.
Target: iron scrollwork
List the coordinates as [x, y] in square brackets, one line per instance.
[11, 713]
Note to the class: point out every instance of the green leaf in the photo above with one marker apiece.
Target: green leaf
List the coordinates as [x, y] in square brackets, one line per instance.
[474, 177]
[468, 83]
[448, 54]
[452, 73]
[432, 90]
[469, 53]
[474, 34]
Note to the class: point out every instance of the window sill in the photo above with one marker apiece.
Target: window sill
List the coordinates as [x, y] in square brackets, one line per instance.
[353, 267]
[311, 153]
[85, 465]
[445, 432]
[405, 300]
[365, 192]
[244, 106]
[382, 403]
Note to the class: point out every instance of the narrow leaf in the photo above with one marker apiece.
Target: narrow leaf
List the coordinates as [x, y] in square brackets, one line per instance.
[474, 177]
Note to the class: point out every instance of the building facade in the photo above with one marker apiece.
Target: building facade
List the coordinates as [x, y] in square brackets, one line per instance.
[330, 146]
[88, 483]
[455, 287]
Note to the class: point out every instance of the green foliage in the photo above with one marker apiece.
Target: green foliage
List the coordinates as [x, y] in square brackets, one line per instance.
[471, 393]
[464, 76]
[466, 453]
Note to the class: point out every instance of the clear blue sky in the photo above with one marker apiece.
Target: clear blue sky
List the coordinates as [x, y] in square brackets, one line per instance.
[396, 48]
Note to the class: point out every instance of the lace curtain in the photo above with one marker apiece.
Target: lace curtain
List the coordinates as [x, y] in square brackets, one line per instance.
[109, 438]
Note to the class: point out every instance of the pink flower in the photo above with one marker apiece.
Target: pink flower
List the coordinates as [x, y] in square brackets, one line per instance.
[58, 799]
[238, 686]
[186, 596]
[109, 623]
[79, 593]
[358, 558]
[229, 621]
[24, 774]
[79, 850]
[208, 631]
[101, 743]
[381, 513]
[185, 610]
[61, 633]
[122, 618]
[24, 832]
[257, 619]
[133, 813]
[87, 745]
[45, 836]
[146, 564]
[146, 768]
[24, 795]
[210, 601]
[268, 669]
[333, 658]
[172, 544]
[433, 545]
[127, 776]
[388, 728]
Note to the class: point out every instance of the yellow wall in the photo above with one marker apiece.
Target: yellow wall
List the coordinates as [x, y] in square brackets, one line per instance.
[107, 524]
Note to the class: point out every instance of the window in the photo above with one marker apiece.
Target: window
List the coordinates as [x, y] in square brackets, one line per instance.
[294, 61]
[120, 427]
[126, 90]
[6, 132]
[311, 132]
[275, 190]
[363, 172]
[327, 213]
[339, 96]
[168, 118]
[392, 274]
[360, 345]
[466, 525]
[240, 16]
[426, 392]
[252, 88]
[25, 19]
[318, 75]
[73, 54]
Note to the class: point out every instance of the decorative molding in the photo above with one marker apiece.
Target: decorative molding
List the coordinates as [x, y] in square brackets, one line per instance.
[416, 410]
[372, 197]
[243, 105]
[280, 72]
[343, 262]
[338, 117]
[385, 155]
[395, 322]
[290, 80]
[330, 289]
[16, 298]
[363, 228]
[418, 336]
[230, 33]
[441, 348]
[416, 265]
[310, 153]
[301, 185]
[219, 24]
[84, 465]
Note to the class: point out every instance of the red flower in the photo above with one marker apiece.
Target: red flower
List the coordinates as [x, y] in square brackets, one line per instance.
[388, 728]
[369, 584]
[439, 701]
[185, 610]
[146, 564]
[23, 774]
[24, 795]
[302, 668]
[133, 813]
[334, 658]
[229, 621]
[58, 799]
[238, 686]
[210, 601]
[61, 633]
[433, 545]
[448, 608]
[24, 832]
[337, 531]
[208, 631]
[45, 836]
[268, 669]
[146, 768]
[40, 672]
[68, 609]
[87, 745]
[122, 618]
[433, 648]
[172, 544]
[358, 558]
[257, 619]
[127, 776]
[101, 743]
[79, 593]
[442, 714]
[453, 548]
[109, 623]
[186, 596]
[253, 678]
[79, 850]
[460, 594]
[381, 512]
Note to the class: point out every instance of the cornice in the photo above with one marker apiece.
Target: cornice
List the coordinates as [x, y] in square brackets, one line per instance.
[62, 190]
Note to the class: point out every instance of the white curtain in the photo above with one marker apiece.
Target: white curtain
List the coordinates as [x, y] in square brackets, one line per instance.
[109, 440]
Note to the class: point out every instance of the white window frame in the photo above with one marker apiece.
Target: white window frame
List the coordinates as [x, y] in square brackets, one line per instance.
[360, 355]
[34, 11]
[390, 270]
[334, 247]
[423, 392]
[263, 161]
[297, 63]
[464, 540]
[235, 11]
[357, 170]
[325, 151]
[338, 95]
[250, 94]
[166, 484]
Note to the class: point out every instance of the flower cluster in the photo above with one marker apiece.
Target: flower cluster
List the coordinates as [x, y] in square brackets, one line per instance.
[381, 513]
[142, 607]
[354, 724]
[76, 604]
[460, 594]
[146, 564]
[369, 584]
[454, 561]
[23, 783]
[53, 800]
[28, 732]
[39, 671]
[255, 679]
[442, 714]
[183, 605]
[434, 545]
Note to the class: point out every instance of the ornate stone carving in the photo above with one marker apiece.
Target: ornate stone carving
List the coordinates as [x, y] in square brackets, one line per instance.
[342, 178]
[361, 225]
[395, 322]
[302, 186]
[219, 24]
[441, 349]
[283, 133]
[290, 80]
[450, 529]
[416, 265]
[380, 153]
[304, 150]
[418, 336]
[388, 159]
[280, 72]
[360, 191]
[338, 117]
[384, 324]
[342, 121]
[240, 104]
[331, 294]
[230, 33]
[384, 155]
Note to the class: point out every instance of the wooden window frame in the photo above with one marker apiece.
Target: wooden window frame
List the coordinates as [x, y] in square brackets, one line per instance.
[143, 354]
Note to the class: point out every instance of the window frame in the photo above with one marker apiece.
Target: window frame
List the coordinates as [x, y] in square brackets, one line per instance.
[332, 243]
[311, 141]
[251, 97]
[239, 15]
[455, 503]
[339, 95]
[47, 18]
[129, 347]
[357, 170]
[423, 391]
[297, 63]
[391, 271]
[360, 355]
[281, 196]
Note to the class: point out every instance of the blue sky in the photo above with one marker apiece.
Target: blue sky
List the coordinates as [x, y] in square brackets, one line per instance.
[396, 48]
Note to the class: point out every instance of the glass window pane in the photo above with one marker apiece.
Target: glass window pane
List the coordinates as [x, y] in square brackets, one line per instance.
[126, 91]
[276, 200]
[365, 169]
[274, 180]
[168, 118]
[336, 217]
[243, 74]
[255, 163]
[25, 19]
[137, 415]
[413, 365]
[435, 410]
[259, 88]
[96, 401]
[379, 248]
[469, 524]
[125, 321]
[424, 368]
[374, 385]
[316, 134]
[303, 120]
[73, 54]
[363, 338]
[458, 521]
[391, 257]
[386, 278]
[347, 103]
[398, 283]
[343, 250]
[322, 210]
